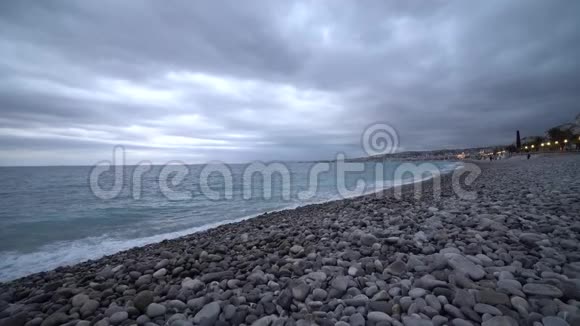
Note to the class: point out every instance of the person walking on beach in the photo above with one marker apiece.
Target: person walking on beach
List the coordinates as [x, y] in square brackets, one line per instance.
[529, 155]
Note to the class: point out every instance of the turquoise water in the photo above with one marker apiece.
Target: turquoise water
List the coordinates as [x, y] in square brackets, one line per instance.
[49, 217]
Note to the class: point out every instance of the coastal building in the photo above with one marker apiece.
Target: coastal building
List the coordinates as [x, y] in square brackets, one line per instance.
[572, 127]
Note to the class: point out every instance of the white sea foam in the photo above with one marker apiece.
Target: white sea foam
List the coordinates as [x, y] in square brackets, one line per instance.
[16, 264]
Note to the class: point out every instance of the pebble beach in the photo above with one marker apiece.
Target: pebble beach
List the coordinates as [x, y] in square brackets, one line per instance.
[509, 256]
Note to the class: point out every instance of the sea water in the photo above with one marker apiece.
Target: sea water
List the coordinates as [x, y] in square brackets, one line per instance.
[50, 217]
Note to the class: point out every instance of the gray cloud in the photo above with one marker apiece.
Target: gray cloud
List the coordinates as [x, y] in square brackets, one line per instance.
[198, 81]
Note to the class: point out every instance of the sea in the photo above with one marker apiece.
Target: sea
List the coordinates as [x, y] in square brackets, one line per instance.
[58, 215]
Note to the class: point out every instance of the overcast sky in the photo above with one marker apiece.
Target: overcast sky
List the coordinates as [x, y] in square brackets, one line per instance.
[278, 80]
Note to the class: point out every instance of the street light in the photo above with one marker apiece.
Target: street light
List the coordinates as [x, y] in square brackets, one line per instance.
[533, 146]
[542, 144]
[549, 144]
[565, 141]
[526, 147]
[556, 142]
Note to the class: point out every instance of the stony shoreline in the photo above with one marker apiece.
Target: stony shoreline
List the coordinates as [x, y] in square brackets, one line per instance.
[509, 257]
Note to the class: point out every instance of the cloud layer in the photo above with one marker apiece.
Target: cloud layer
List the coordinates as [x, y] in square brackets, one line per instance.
[236, 81]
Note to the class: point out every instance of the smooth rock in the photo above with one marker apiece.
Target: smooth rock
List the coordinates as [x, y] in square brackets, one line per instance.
[208, 314]
[396, 268]
[155, 309]
[89, 308]
[500, 321]
[192, 284]
[160, 273]
[429, 282]
[56, 319]
[258, 277]
[143, 299]
[216, 276]
[79, 300]
[300, 290]
[368, 239]
[554, 321]
[463, 298]
[119, 317]
[433, 302]
[542, 290]
[377, 316]
[319, 294]
[460, 322]
[530, 238]
[265, 321]
[571, 288]
[296, 249]
[463, 265]
[415, 321]
[357, 320]
[417, 293]
[492, 297]
[483, 308]
[340, 283]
